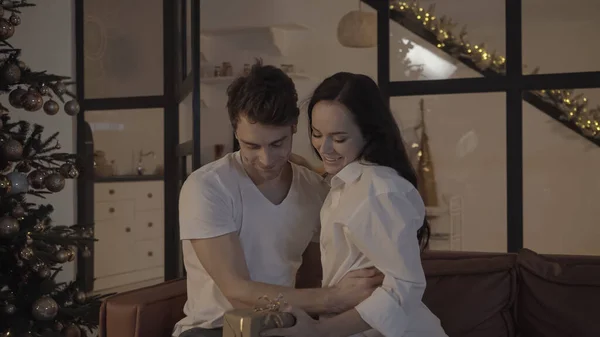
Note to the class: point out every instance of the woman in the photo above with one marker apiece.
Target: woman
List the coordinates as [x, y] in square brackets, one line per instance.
[373, 215]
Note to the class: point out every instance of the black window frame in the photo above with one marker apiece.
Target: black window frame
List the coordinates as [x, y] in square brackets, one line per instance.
[514, 84]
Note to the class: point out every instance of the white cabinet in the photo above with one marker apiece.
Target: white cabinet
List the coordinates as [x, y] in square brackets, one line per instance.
[129, 226]
[446, 224]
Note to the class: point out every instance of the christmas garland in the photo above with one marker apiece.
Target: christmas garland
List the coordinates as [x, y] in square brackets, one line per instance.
[573, 108]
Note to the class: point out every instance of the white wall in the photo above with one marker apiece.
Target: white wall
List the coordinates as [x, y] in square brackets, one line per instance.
[46, 37]
[467, 131]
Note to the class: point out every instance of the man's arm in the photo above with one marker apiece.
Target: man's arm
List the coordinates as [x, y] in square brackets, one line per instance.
[223, 259]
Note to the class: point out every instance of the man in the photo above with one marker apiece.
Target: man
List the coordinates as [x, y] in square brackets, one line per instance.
[250, 219]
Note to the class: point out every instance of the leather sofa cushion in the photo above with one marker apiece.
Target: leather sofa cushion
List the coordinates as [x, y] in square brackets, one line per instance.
[558, 295]
[472, 293]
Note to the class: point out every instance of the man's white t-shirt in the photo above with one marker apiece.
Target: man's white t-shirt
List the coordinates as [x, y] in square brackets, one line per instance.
[220, 198]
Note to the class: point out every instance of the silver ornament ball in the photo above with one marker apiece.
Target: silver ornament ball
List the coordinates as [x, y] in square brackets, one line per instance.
[19, 183]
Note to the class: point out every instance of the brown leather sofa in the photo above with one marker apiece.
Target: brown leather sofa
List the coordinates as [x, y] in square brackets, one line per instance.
[474, 295]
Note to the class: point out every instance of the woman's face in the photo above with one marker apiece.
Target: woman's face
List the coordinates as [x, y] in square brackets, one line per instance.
[335, 135]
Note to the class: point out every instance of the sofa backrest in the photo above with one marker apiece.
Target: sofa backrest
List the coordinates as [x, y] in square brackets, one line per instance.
[146, 312]
[558, 295]
[473, 294]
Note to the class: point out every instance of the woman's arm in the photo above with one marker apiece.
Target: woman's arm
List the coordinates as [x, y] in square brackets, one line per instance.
[384, 228]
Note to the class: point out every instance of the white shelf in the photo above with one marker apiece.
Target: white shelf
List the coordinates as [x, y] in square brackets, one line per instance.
[271, 39]
[229, 79]
[251, 29]
[436, 211]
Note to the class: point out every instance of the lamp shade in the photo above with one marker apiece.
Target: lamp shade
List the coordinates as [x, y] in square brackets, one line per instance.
[358, 29]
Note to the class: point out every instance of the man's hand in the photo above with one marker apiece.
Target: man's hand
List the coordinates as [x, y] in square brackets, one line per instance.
[355, 287]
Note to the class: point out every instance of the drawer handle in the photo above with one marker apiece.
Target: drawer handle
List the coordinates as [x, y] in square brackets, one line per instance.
[150, 254]
[149, 224]
[111, 210]
[149, 195]
[111, 192]
[128, 229]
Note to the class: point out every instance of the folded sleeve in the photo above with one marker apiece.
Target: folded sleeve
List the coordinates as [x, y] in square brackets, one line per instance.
[205, 208]
[384, 228]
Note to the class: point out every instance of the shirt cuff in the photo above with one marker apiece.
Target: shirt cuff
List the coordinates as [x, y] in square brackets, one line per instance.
[383, 313]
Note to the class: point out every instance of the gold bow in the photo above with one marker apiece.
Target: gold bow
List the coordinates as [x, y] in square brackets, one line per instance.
[272, 307]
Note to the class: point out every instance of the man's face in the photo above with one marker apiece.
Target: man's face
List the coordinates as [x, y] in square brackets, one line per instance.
[264, 149]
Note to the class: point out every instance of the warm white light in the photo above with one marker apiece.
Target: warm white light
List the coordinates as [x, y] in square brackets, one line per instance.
[435, 67]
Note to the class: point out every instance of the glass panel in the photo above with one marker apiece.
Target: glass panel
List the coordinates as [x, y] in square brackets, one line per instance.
[557, 35]
[123, 48]
[131, 141]
[560, 180]
[463, 166]
[423, 47]
[216, 133]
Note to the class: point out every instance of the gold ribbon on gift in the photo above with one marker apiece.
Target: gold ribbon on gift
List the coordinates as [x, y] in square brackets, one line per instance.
[273, 309]
[249, 322]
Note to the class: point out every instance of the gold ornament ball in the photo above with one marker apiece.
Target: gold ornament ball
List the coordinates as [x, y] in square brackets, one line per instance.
[26, 253]
[18, 211]
[59, 88]
[8, 226]
[80, 297]
[51, 107]
[32, 101]
[6, 29]
[72, 107]
[36, 179]
[12, 150]
[44, 90]
[16, 96]
[11, 73]
[72, 331]
[54, 182]
[44, 309]
[62, 256]
[69, 171]
[71, 254]
[15, 20]
[44, 272]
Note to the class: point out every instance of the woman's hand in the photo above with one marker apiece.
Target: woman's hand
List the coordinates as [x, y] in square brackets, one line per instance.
[305, 325]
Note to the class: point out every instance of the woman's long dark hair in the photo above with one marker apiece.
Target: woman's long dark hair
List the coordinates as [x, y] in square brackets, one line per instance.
[384, 145]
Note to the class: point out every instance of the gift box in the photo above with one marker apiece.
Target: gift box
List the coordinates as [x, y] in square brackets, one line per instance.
[250, 322]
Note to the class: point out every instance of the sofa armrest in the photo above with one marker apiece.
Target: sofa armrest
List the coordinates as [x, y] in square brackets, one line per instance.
[145, 312]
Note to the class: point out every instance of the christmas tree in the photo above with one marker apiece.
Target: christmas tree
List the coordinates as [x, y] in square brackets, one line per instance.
[32, 248]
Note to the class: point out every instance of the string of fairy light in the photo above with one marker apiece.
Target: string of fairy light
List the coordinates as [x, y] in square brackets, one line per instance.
[573, 107]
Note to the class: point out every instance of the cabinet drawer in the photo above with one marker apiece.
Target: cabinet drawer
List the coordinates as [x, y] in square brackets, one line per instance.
[150, 253]
[113, 191]
[149, 196]
[149, 225]
[114, 232]
[123, 209]
[113, 259]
